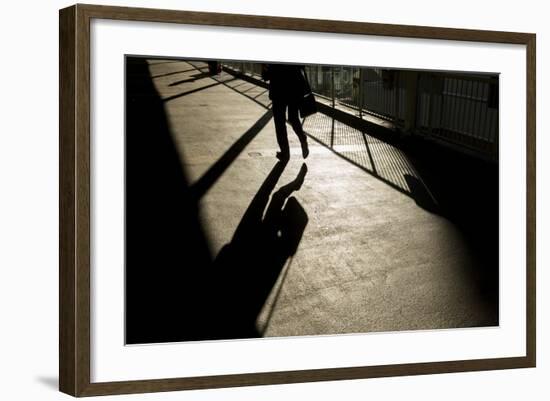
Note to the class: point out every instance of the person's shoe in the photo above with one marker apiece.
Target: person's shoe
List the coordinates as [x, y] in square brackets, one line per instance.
[305, 148]
[283, 156]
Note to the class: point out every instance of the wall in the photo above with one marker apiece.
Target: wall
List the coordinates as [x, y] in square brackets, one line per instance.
[28, 198]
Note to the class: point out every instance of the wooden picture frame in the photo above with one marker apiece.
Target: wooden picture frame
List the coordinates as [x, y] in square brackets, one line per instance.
[74, 206]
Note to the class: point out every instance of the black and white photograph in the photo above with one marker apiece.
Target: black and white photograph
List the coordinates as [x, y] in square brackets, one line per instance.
[278, 199]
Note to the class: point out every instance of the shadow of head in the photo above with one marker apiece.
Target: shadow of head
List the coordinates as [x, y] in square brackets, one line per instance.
[294, 220]
[421, 195]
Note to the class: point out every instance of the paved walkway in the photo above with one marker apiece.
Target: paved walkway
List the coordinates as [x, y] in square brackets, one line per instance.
[371, 257]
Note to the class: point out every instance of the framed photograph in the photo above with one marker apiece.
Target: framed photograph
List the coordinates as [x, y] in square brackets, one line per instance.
[250, 200]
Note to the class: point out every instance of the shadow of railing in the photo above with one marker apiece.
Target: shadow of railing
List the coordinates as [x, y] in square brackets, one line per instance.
[216, 170]
[380, 159]
[167, 74]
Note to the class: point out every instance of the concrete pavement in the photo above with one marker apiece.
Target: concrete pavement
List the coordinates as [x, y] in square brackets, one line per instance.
[372, 257]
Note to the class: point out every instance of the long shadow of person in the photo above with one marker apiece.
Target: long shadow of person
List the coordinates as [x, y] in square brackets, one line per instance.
[247, 268]
[176, 289]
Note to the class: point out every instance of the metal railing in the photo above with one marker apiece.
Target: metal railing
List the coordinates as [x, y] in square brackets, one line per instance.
[460, 109]
[253, 69]
[365, 90]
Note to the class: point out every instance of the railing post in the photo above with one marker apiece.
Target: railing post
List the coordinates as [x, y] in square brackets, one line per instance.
[396, 105]
[332, 87]
[430, 106]
[360, 92]
[411, 100]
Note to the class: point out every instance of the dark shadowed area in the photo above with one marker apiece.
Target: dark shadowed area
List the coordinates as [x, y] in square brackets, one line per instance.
[176, 289]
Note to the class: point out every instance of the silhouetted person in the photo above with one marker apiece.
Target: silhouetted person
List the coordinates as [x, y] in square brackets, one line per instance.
[214, 67]
[286, 88]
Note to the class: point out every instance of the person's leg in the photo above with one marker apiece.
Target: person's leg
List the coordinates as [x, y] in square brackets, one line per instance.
[294, 119]
[296, 124]
[279, 117]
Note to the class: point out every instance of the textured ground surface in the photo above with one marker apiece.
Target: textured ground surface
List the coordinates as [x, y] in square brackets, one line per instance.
[373, 255]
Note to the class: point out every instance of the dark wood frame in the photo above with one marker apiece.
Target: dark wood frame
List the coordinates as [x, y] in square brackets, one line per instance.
[74, 194]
